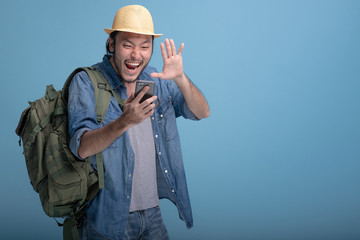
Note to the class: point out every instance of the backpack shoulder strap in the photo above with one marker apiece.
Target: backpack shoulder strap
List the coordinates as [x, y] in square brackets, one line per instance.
[102, 92]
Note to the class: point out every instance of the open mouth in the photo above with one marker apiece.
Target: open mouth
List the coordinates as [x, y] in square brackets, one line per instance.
[132, 65]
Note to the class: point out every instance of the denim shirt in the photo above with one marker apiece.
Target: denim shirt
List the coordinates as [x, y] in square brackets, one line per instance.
[108, 211]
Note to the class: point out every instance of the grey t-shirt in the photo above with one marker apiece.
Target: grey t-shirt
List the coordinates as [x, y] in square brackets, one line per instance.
[144, 193]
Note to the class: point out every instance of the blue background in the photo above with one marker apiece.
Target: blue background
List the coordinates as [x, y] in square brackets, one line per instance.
[279, 157]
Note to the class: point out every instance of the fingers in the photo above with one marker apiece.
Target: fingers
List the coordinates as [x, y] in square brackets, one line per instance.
[129, 99]
[173, 48]
[132, 97]
[135, 112]
[141, 93]
[146, 108]
[180, 49]
[163, 51]
[148, 104]
[149, 101]
[170, 48]
[157, 75]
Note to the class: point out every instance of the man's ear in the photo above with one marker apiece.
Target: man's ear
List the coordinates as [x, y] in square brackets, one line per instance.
[111, 44]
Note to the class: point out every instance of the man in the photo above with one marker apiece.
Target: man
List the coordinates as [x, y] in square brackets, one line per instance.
[139, 142]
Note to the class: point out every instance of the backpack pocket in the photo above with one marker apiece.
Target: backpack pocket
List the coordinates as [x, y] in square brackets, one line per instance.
[68, 178]
[33, 138]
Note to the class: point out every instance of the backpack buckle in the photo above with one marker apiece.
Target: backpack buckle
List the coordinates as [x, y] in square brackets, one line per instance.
[102, 86]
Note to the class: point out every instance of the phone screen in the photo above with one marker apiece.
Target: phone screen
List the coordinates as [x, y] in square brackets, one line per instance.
[140, 84]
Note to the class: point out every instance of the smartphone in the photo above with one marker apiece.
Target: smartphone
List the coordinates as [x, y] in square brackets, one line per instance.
[140, 84]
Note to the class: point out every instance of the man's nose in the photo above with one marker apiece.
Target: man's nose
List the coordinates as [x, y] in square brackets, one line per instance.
[135, 53]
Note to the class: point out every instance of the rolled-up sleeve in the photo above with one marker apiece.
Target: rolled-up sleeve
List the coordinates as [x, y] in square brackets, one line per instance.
[180, 106]
[81, 109]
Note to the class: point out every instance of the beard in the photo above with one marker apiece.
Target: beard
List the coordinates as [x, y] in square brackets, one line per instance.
[118, 64]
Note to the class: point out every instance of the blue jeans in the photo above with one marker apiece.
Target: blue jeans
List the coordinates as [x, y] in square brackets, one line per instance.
[144, 224]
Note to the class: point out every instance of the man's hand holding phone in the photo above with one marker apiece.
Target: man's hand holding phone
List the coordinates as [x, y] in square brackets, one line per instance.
[139, 106]
[140, 84]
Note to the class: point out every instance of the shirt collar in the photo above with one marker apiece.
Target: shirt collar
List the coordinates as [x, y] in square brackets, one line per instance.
[113, 79]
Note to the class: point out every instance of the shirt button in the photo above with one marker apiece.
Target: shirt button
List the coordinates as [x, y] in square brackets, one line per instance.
[166, 171]
[159, 153]
[152, 118]
[161, 115]
[128, 197]
[129, 175]
[156, 136]
[172, 190]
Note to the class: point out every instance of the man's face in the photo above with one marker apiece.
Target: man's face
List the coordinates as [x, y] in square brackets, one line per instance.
[131, 54]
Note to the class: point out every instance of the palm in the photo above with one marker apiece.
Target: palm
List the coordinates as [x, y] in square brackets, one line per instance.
[173, 65]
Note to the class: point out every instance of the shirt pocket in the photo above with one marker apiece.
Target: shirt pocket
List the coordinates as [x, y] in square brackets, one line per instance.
[167, 119]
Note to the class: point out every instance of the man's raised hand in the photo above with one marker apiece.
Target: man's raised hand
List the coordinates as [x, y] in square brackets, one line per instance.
[173, 64]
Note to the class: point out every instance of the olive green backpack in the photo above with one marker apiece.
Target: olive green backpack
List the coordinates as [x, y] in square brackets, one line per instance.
[63, 182]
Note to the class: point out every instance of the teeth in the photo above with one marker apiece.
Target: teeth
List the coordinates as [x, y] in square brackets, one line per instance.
[133, 64]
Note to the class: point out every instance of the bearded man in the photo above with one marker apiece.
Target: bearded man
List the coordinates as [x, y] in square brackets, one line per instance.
[139, 141]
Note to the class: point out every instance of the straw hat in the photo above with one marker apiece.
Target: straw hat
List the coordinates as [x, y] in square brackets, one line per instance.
[135, 19]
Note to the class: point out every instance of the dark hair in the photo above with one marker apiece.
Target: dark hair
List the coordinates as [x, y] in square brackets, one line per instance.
[113, 37]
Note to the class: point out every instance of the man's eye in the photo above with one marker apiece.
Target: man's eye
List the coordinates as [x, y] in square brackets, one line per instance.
[145, 48]
[127, 46]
